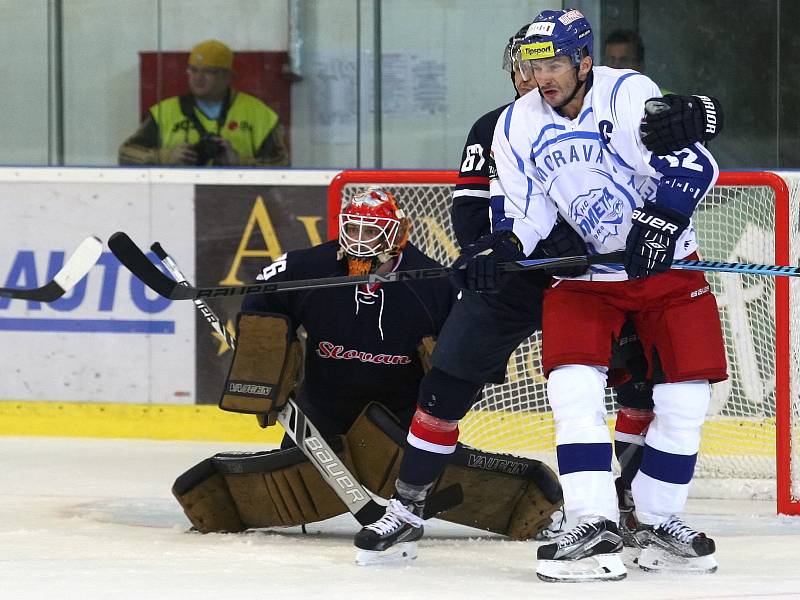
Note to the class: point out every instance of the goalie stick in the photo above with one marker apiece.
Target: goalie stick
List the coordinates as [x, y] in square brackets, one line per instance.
[130, 255]
[75, 269]
[306, 436]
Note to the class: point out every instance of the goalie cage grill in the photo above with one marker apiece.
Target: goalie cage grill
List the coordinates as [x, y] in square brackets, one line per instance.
[751, 439]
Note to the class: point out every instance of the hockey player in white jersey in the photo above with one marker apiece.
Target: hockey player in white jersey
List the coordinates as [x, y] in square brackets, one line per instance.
[573, 149]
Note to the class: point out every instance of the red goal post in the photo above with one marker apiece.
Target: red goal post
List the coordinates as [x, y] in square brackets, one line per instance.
[754, 435]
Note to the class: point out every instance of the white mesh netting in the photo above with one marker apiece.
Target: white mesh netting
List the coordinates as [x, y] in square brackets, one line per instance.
[736, 223]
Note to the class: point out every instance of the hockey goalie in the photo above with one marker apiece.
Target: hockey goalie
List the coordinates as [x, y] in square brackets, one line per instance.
[366, 352]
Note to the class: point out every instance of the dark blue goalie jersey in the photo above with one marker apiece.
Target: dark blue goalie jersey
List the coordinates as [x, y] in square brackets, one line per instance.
[470, 210]
[361, 344]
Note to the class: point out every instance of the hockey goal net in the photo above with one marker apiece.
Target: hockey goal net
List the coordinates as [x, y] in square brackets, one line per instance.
[751, 439]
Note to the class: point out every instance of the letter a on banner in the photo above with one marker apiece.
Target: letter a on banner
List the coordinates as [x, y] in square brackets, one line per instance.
[260, 216]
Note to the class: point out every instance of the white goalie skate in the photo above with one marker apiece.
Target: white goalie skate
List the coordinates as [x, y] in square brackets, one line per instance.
[393, 537]
[675, 547]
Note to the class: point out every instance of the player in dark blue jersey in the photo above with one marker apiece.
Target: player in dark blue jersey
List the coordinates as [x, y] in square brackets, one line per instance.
[361, 341]
[470, 210]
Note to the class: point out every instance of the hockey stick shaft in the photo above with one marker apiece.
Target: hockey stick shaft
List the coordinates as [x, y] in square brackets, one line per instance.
[713, 266]
[75, 268]
[302, 431]
[130, 255]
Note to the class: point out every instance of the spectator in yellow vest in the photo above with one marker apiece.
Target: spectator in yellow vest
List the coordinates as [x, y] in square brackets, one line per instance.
[213, 125]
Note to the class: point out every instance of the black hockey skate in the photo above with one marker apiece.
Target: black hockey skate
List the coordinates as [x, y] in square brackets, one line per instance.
[673, 546]
[393, 537]
[589, 551]
[628, 523]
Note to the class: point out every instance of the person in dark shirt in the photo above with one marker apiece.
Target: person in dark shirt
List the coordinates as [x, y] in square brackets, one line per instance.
[361, 341]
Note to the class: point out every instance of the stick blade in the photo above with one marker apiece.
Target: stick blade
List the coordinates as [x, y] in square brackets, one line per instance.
[130, 255]
[47, 293]
[75, 268]
[80, 263]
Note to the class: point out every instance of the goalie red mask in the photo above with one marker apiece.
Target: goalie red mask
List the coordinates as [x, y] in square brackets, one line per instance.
[372, 231]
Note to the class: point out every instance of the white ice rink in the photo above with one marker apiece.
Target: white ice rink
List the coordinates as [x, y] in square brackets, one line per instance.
[88, 519]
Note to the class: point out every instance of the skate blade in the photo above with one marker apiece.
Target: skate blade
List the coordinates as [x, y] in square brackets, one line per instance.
[602, 567]
[658, 561]
[402, 552]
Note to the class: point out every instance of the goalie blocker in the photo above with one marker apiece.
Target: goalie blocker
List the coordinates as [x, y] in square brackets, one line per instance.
[266, 366]
[232, 492]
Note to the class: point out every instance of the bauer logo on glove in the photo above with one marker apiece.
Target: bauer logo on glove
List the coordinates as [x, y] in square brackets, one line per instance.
[650, 246]
[643, 218]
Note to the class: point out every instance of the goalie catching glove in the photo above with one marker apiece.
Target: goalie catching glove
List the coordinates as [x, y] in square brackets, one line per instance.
[675, 122]
[650, 246]
[266, 366]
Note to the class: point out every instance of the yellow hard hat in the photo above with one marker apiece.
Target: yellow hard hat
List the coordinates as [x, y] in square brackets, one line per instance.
[211, 53]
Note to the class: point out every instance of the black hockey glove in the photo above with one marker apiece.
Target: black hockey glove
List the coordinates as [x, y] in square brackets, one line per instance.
[562, 241]
[675, 122]
[650, 246]
[477, 267]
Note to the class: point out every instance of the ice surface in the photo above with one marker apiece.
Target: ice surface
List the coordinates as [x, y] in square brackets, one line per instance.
[87, 519]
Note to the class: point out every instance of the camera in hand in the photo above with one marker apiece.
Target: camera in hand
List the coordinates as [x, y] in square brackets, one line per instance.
[207, 148]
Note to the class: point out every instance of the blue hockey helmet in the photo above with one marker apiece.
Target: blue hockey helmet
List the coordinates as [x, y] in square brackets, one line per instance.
[556, 33]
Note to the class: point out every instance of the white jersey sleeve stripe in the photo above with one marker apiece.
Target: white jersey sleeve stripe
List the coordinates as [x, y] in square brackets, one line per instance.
[470, 192]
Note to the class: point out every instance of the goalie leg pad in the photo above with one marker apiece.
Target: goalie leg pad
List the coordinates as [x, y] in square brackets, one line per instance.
[204, 496]
[502, 493]
[278, 488]
[266, 365]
